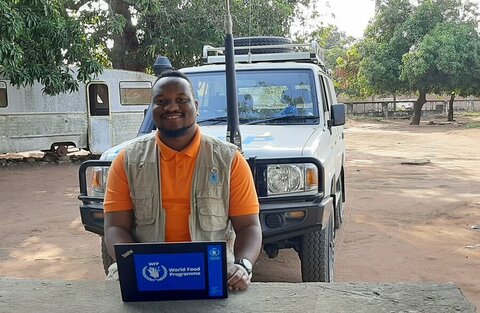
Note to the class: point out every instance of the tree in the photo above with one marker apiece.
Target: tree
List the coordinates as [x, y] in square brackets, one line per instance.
[333, 42]
[38, 39]
[348, 77]
[382, 49]
[446, 61]
[141, 29]
[393, 61]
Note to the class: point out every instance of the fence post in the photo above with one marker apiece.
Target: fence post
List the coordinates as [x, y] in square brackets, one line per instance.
[385, 109]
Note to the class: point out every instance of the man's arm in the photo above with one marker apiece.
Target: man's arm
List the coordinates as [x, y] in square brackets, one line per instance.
[249, 237]
[248, 243]
[118, 229]
[118, 218]
[244, 210]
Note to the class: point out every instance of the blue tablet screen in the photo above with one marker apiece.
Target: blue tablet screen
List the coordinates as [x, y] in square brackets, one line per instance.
[175, 271]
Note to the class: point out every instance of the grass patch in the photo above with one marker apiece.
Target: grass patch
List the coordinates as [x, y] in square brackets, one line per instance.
[471, 114]
[472, 125]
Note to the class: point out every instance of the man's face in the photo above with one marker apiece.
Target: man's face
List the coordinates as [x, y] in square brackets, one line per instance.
[174, 108]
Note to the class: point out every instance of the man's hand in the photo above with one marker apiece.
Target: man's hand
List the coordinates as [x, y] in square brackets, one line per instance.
[238, 278]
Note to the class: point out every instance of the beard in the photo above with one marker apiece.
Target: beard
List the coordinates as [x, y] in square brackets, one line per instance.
[175, 133]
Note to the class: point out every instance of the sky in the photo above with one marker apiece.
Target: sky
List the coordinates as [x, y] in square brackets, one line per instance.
[351, 16]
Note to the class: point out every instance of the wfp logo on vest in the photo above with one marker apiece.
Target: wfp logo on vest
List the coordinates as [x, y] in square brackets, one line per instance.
[154, 272]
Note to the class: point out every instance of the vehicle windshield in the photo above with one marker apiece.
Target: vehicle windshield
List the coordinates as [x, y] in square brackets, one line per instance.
[264, 96]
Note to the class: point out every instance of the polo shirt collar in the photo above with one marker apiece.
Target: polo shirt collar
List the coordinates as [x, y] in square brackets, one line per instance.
[191, 150]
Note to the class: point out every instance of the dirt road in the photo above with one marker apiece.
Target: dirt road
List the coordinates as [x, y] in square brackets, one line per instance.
[405, 221]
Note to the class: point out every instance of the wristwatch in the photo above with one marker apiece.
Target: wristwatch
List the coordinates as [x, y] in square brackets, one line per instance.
[246, 264]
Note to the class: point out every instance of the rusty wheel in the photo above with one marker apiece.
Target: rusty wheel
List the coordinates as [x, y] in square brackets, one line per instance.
[61, 151]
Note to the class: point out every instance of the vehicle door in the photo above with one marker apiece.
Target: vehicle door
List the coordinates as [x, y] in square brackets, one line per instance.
[337, 140]
[99, 122]
[328, 141]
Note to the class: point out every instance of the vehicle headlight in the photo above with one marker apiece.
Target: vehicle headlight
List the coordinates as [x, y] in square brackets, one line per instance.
[291, 178]
[99, 180]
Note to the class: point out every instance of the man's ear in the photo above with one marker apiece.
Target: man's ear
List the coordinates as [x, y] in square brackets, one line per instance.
[196, 105]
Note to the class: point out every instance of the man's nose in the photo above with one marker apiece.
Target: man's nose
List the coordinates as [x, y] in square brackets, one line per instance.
[171, 105]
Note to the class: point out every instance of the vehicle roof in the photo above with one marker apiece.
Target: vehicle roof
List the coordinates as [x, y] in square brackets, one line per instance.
[253, 66]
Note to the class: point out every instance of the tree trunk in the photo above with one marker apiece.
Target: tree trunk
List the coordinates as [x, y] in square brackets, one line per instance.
[394, 104]
[450, 107]
[417, 108]
[125, 45]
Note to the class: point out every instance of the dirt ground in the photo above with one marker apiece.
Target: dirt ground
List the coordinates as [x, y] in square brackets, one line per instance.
[413, 212]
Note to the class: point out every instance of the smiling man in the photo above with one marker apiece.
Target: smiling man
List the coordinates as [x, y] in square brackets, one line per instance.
[180, 185]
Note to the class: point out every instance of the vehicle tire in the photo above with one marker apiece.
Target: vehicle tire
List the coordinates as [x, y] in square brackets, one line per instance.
[317, 254]
[106, 258]
[339, 207]
[61, 150]
[262, 41]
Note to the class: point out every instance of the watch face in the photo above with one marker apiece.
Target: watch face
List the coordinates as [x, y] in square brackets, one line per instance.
[247, 264]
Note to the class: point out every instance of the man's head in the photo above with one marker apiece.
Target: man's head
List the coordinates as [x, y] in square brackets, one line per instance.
[174, 105]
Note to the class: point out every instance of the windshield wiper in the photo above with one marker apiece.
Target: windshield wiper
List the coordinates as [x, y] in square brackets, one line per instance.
[283, 118]
[219, 119]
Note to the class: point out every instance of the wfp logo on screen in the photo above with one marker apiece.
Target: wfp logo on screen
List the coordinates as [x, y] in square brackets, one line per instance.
[154, 272]
[214, 253]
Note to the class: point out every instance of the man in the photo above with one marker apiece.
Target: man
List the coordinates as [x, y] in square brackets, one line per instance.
[180, 185]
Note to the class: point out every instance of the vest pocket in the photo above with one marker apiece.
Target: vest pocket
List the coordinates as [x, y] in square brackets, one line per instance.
[211, 214]
[143, 207]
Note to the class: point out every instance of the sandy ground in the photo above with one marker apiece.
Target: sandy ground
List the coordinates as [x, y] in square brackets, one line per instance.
[404, 222]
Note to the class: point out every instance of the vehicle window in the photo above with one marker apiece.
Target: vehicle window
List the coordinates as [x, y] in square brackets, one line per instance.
[135, 93]
[98, 98]
[3, 95]
[327, 96]
[260, 95]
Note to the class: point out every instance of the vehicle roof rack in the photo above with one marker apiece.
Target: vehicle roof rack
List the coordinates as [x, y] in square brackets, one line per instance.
[302, 53]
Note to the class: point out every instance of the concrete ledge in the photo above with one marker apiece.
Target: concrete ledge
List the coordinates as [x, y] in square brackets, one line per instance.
[25, 295]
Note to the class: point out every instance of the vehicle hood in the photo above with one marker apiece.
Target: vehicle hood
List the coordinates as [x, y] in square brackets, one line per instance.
[265, 141]
[270, 141]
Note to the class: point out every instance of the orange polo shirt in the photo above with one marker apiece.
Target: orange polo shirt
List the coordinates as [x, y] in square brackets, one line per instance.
[177, 168]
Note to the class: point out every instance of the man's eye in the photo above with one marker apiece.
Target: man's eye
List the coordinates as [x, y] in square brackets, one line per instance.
[182, 100]
[161, 102]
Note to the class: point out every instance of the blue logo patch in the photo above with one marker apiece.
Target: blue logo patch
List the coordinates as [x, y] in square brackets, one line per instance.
[214, 176]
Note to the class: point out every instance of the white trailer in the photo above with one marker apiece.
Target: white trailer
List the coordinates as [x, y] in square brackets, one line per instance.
[104, 112]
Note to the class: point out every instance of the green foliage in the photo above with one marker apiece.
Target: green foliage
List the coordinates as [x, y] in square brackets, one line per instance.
[348, 78]
[178, 29]
[431, 47]
[383, 47]
[333, 42]
[37, 40]
[446, 60]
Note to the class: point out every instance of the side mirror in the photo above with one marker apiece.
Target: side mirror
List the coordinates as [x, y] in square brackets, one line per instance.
[338, 115]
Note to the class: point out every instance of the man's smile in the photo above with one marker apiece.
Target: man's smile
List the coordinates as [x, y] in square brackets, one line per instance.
[172, 116]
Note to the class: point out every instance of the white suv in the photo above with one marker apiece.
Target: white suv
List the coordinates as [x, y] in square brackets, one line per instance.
[292, 136]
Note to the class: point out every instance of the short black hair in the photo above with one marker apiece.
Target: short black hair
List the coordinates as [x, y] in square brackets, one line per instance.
[174, 73]
[177, 74]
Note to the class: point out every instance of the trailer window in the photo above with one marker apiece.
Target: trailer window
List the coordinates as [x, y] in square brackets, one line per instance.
[98, 98]
[3, 95]
[135, 93]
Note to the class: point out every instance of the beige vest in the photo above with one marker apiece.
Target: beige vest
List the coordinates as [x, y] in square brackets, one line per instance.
[210, 192]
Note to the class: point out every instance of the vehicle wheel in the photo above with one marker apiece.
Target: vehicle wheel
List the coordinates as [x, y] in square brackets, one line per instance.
[262, 41]
[317, 254]
[339, 207]
[106, 258]
[61, 151]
